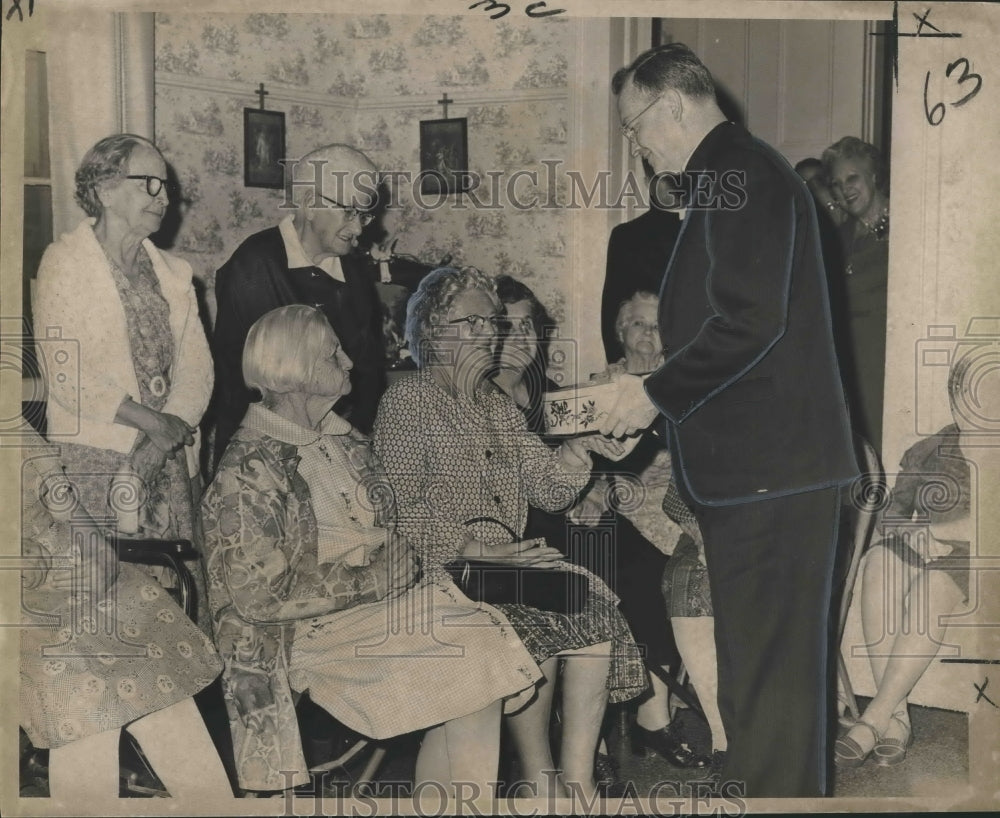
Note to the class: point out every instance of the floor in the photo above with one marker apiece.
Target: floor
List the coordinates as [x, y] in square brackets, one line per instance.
[937, 763]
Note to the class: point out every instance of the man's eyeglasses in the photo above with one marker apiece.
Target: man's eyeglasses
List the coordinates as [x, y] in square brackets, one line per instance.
[497, 323]
[154, 184]
[351, 212]
[628, 128]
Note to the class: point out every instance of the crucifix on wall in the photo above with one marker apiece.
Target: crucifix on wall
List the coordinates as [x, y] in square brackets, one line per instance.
[444, 153]
[263, 145]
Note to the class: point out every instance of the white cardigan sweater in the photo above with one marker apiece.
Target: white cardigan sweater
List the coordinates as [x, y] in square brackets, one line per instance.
[77, 310]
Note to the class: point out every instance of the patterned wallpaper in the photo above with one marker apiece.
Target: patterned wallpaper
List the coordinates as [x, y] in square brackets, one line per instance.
[351, 61]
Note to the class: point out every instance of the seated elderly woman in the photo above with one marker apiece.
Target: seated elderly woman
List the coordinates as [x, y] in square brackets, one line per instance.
[629, 561]
[464, 469]
[918, 573]
[312, 589]
[105, 647]
[644, 540]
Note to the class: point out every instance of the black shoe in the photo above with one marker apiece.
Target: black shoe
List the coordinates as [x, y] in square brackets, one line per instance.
[715, 766]
[667, 742]
[605, 770]
[606, 777]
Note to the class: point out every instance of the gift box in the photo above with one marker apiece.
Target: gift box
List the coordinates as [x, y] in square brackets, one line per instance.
[577, 410]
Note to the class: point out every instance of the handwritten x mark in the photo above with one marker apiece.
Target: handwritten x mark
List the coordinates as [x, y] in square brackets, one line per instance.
[982, 692]
[16, 6]
[922, 21]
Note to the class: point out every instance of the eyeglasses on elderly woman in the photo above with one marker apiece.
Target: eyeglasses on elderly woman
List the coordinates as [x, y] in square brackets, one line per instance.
[497, 323]
[154, 184]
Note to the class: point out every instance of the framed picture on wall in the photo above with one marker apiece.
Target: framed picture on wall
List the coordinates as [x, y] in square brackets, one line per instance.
[263, 146]
[444, 156]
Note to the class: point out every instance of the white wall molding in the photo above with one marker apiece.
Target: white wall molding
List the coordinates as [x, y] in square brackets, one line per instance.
[278, 93]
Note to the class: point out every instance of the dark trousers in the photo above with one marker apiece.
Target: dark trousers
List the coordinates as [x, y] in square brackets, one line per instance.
[770, 564]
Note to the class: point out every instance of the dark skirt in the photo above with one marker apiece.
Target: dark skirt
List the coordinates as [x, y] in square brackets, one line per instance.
[685, 582]
[615, 551]
[955, 565]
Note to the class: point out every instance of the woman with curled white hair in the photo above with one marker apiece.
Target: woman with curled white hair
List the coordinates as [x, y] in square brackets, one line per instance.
[464, 468]
[125, 403]
[311, 588]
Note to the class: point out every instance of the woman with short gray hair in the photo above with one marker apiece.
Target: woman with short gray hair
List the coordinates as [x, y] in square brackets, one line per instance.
[126, 402]
[464, 468]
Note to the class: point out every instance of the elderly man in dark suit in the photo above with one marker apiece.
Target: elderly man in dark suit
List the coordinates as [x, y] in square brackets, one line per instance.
[305, 259]
[755, 411]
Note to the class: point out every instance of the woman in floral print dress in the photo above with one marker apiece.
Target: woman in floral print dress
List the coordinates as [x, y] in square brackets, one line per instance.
[311, 588]
[136, 375]
[105, 648]
[464, 468]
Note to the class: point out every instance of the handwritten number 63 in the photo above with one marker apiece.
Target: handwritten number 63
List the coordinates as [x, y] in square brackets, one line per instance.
[936, 114]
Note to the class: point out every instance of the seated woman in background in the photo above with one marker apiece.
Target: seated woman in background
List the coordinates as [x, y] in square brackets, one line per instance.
[120, 653]
[688, 598]
[128, 409]
[312, 589]
[859, 178]
[634, 566]
[465, 468]
[918, 573]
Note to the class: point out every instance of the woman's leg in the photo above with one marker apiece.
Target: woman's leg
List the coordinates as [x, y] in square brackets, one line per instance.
[181, 753]
[86, 770]
[884, 585]
[695, 637]
[931, 595]
[529, 728]
[584, 699]
[654, 711]
[459, 752]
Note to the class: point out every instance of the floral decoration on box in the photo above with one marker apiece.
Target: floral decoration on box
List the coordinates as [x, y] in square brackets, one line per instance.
[578, 409]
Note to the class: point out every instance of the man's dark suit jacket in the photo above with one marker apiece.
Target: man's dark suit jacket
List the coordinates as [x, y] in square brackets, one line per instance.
[638, 252]
[750, 383]
[255, 280]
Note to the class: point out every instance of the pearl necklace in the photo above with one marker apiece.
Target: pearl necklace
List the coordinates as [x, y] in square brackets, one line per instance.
[880, 227]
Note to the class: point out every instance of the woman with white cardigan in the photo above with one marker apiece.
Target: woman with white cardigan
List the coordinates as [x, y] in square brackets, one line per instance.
[126, 361]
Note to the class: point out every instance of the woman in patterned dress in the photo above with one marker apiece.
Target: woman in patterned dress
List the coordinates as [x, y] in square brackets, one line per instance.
[311, 588]
[127, 365]
[636, 558]
[105, 647]
[464, 468]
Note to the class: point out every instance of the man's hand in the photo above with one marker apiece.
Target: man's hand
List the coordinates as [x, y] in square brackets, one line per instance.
[632, 411]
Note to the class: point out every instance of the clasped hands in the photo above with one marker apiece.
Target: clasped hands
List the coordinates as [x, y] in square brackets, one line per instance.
[163, 434]
[524, 552]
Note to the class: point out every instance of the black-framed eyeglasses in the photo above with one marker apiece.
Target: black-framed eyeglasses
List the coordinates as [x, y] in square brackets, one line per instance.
[154, 184]
[628, 128]
[351, 212]
[497, 323]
